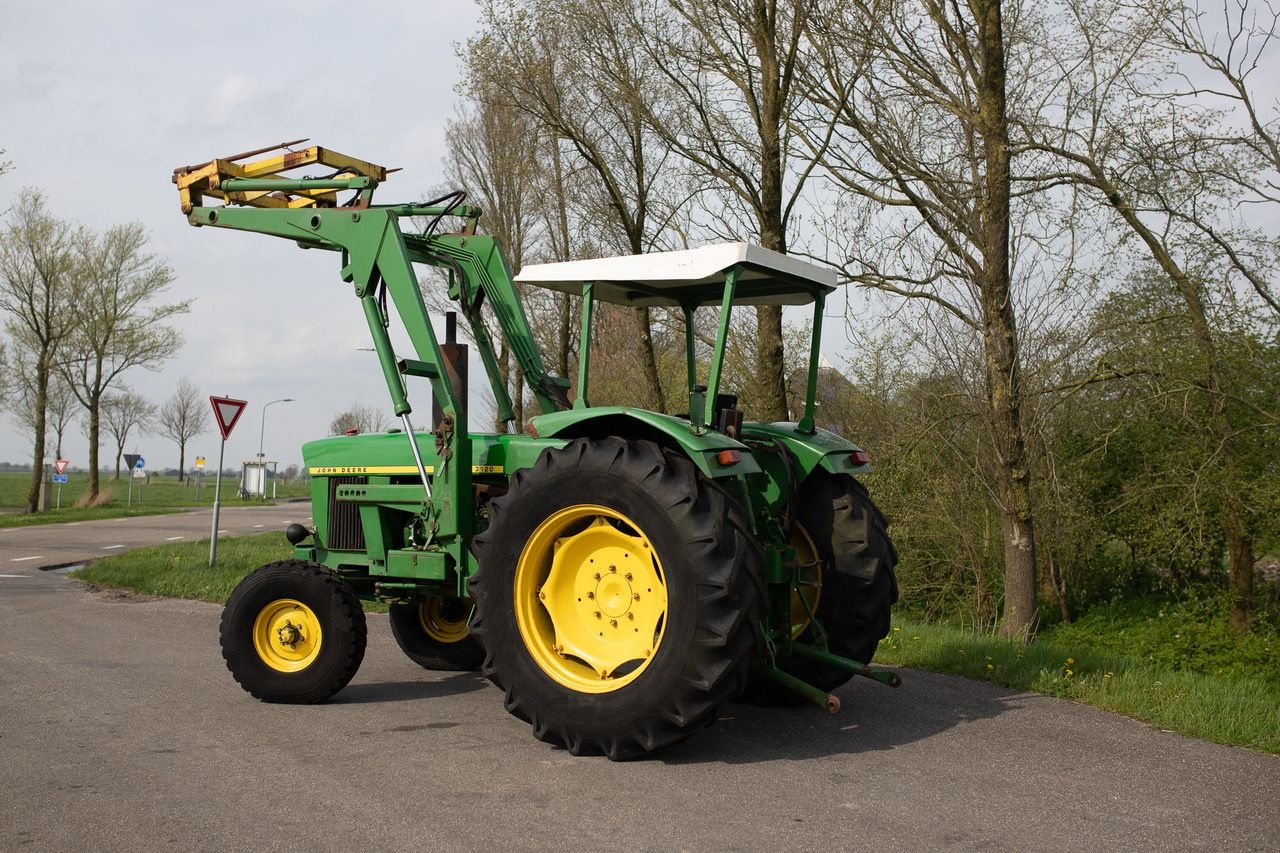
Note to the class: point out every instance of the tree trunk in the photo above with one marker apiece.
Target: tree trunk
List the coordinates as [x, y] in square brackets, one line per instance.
[770, 364]
[1240, 566]
[653, 385]
[37, 452]
[1000, 334]
[95, 431]
[182, 460]
[119, 453]
[1059, 588]
[564, 338]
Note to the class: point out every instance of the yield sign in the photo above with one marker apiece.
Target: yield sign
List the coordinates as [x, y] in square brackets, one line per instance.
[60, 465]
[226, 412]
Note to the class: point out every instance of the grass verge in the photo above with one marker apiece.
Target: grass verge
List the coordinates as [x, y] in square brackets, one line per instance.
[182, 570]
[1235, 709]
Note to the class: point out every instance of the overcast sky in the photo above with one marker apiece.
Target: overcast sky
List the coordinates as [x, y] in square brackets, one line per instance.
[100, 101]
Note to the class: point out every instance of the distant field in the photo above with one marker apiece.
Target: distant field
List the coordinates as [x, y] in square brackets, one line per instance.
[158, 495]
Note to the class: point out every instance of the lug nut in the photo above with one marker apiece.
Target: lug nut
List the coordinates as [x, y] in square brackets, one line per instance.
[635, 596]
[631, 616]
[597, 614]
[613, 569]
[613, 622]
[596, 576]
[591, 595]
[542, 596]
[627, 576]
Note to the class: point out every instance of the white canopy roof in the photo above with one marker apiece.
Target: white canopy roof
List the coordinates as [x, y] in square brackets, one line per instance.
[692, 277]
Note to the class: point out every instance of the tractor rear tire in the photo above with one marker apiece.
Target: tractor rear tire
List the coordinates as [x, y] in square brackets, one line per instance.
[858, 587]
[616, 597]
[293, 632]
[432, 631]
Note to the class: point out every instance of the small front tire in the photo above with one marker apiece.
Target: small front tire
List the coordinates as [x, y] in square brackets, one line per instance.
[293, 632]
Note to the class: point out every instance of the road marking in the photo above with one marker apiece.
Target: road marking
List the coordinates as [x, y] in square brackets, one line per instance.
[221, 531]
[174, 538]
[111, 547]
[24, 559]
[12, 576]
[256, 526]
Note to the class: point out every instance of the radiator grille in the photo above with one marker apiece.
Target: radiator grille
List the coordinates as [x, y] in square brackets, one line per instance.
[345, 532]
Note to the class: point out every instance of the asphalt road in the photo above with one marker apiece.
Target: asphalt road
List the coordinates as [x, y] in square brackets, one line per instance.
[120, 729]
[48, 545]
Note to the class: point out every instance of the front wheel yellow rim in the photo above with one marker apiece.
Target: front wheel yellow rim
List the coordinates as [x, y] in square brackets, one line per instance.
[590, 598]
[287, 635]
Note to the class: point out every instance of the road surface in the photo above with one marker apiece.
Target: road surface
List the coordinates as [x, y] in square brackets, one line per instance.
[120, 729]
[49, 545]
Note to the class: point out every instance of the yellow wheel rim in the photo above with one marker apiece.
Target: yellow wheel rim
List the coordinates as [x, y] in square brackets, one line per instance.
[807, 591]
[590, 599]
[287, 635]
[437, 625]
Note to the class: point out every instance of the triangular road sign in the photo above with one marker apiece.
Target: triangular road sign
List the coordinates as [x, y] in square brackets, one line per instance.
[226, 412]
[60, 465]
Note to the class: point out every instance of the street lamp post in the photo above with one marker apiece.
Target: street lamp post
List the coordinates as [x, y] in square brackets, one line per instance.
[262, 459]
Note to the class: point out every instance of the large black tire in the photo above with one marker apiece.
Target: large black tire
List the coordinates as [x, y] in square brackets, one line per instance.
[858, 583]
[432, 631]
[293, 632]
[576, 512]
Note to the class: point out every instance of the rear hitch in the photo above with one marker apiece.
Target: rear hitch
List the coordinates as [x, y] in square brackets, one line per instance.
[824, 700]
[884, 676]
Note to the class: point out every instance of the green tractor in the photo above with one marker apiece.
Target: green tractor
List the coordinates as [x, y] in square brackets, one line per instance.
[619, 573]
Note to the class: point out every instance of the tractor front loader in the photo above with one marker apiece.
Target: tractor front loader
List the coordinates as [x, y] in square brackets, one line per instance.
[619, 573]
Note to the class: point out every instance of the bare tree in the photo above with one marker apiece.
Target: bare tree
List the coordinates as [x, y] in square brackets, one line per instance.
[918, 92]
[493, 156]
[580, 78]
[118, 324]
[729, 73]
[360, 418]
[182, 417]
[1169, 169]
[123, 412]
[37, 290]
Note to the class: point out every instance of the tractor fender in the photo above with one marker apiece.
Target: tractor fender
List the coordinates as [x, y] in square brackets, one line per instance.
[704, 448]
[812, 451]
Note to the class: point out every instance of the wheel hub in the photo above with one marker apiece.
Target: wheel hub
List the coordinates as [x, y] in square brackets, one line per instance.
[287, 635]
[598, 614]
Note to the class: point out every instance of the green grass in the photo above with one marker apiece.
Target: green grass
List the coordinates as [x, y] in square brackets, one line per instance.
[182, 570]
[1231, 708]
[160, 495]
[1113, 660]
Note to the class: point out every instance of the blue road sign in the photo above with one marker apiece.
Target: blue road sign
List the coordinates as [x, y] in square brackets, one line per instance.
[59, 478]
[140, 464]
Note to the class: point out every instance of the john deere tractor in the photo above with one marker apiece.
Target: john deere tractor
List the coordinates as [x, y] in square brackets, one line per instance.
[619, 574]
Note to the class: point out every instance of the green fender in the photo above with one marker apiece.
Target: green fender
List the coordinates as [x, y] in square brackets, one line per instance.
[819, 449]
[703, 448]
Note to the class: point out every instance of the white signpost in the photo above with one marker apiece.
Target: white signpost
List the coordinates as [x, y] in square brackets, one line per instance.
[199, 475]
[226, 411]
[60, 476]
[136, 463]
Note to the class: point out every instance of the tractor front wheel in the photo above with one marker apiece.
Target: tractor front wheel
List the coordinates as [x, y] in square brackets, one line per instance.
[615, 597]
[293, 632]
[433, 632]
